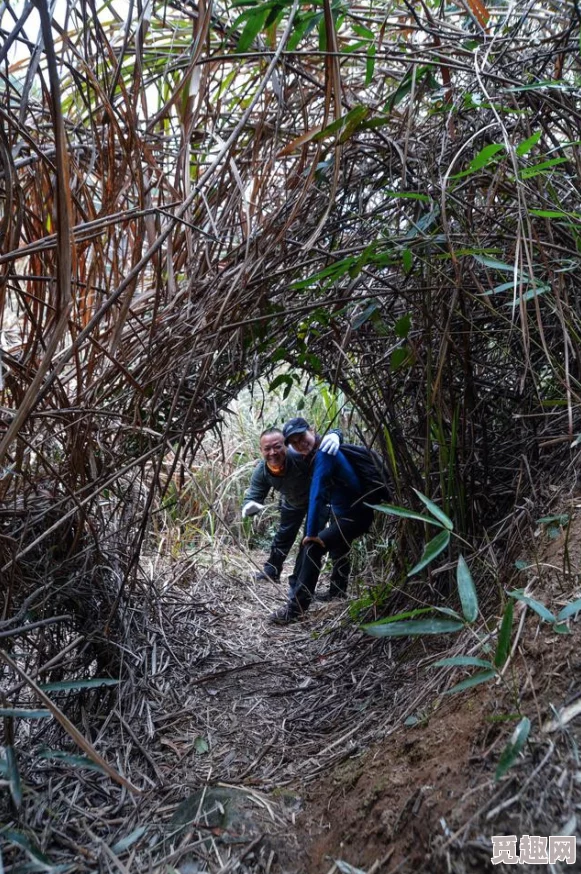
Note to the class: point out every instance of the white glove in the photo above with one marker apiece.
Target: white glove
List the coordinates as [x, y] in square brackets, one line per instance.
[330, 444]
[251, 508]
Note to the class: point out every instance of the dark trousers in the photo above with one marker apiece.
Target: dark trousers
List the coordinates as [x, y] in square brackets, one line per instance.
[291, 520]
[337, 537]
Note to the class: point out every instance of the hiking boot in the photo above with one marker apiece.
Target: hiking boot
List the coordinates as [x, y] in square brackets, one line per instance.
[284, 616]
[331, 596]
[260, 576]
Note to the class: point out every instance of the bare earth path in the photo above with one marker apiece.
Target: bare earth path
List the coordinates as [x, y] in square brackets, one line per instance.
[328, 749]
[307, 749]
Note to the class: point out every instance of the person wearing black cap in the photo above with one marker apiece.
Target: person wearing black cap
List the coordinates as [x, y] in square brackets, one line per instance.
[289, 473]
[335, 482]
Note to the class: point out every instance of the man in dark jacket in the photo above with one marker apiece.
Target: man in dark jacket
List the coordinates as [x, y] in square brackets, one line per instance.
[334, 482]
[289, 473]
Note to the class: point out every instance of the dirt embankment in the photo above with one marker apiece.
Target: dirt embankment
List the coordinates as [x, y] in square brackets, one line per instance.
[425, 798]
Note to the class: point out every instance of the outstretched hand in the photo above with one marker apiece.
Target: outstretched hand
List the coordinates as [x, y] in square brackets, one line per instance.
[251, 508]
[330, 444]
[307, 540]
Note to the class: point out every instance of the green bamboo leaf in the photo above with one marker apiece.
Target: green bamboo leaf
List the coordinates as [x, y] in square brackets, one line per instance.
[21, 713]
[484, 157]
[432, 549]
[13, 777]
[370, 65]
[23, 841]
[552, 213]
[463, 661]
[447, 611]
[335, 271]
[503, 643]
[352, 122]
[392, 510]
[201, 745]
[254, 24]
[569, 610]
[412, 628]
[435, 511]
[535, 605]
[303, 27]
[494, 264]
[281, 379]
[527, 145]
[346, 868]
[364, 32]
[537, 86]
[505, 286]
[66, 685]
[561, 518]
[475, 680]
[128, 841]
[76, 761]
[467, 591]
[409, 614]
[513, 748]
[364, 316]
[346, 123]
[409, 195]
[538, 169]
[529, 295]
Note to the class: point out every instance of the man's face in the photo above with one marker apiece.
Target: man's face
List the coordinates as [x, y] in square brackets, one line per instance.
[303, 443]
[273, 449]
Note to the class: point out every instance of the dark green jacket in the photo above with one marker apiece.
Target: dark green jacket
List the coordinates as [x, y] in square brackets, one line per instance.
[293, 485]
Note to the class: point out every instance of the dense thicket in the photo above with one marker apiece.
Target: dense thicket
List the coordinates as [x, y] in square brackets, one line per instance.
[382, 195]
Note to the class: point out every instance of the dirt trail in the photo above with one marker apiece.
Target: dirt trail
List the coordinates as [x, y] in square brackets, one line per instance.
[348, 751]
[275, 707]
[311, 748]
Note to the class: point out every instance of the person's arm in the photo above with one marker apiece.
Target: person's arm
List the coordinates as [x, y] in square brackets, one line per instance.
[323, 467]
[344, 469]
[259, 486]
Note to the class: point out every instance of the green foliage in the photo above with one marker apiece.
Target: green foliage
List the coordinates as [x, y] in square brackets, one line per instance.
[525, 147]
[462, 661]
[431, 551]
[513, 748]
[407, 625]
[435, 511]
[535, 605]
[411, 628]
[481, 160]
[467, 591]
[569, 610]
[68, 759]
[392, 510]
[124, 844]
[29, 845]
[68, 685]
[13, 774]
[470, 682]
[504, 635]
[23, 713]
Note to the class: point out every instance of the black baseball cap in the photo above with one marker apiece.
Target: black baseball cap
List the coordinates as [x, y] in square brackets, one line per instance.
[294, 426]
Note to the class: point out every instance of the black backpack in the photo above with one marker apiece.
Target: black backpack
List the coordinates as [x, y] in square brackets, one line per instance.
[372, 471]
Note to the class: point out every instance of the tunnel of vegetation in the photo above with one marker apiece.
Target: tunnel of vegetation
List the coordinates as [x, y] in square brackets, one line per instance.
[384, 196]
